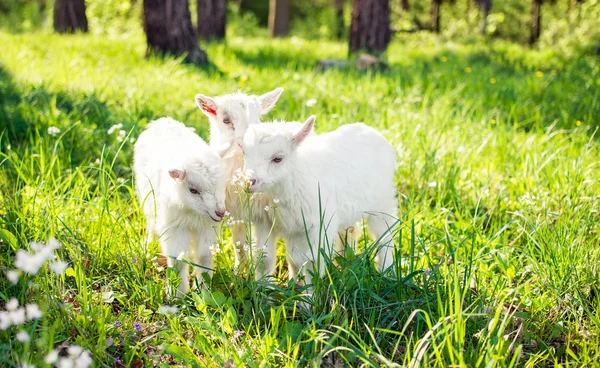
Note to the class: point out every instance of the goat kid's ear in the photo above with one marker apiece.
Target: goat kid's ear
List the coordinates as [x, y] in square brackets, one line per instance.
[176, 174]
[305, 130]
[268, 100]
[207, 105]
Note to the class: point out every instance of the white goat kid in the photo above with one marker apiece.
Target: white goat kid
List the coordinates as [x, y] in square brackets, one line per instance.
[229, 116]
[349, 171]
[180, 184]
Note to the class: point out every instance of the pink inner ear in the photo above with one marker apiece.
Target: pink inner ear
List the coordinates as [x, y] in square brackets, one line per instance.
[176, 174]
[300, 137]
[302, 134]
[208, 109]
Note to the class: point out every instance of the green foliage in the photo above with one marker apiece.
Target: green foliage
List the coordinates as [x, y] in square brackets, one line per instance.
[498, 182]
[22, 15]
[566, 24]
[114, 17]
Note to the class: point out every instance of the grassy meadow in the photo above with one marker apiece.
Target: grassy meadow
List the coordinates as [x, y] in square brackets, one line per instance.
[498, 175]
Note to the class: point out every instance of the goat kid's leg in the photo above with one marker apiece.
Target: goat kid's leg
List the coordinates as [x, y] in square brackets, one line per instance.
[204, 256]
[379, 227]
[174, 243]
[266, 257]
[304, 255]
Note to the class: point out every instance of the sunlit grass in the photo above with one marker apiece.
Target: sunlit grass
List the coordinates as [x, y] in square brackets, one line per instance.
[499, 187]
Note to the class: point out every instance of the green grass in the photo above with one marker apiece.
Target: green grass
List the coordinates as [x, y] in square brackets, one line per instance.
[497, 251]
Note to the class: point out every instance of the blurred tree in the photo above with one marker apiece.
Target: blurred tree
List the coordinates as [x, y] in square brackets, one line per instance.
[435, 15]
[279, 17]
[404, 5]
[169, 30]
[484, 6]
[69, 16]
[536, 21]
[370, 27]
[212, 16]
[339, 18]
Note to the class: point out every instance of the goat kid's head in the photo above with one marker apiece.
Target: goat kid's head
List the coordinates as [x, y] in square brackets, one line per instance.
[200, 187]
[230, 115]
[270, 151]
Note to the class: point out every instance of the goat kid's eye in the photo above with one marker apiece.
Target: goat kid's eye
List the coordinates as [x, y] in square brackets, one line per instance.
[226, 121]
[194, 191]
[277, 160]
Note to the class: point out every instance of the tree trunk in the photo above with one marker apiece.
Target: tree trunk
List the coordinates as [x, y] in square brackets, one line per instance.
[435, 15]
[279, 17]
[169, 30]
[485, 6]
[212, 16]
[69, 16]
[370, 27]
[339, 18]
[536, 21]
[404, 5]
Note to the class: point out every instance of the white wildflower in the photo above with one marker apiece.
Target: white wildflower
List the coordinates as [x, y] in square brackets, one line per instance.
[168, 309]
[53, 131]
[23, 336]
[5, 320]
[246, 247]
[84, 360]
[121, 136]
[114, 127]
[267, 208]
[33, 311]
[53, 244]
[65, 363]
[276, 200]
[31, 263]
[75, 350]
[58, 267]
[18, 316]
[432, 184]
[36, 247]
[52, 357]
[12, 276]
[311, 102]
[12, 305]
[215, 248]
[181, 255]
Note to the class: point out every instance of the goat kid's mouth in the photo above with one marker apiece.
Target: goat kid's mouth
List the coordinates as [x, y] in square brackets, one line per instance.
[214, 218]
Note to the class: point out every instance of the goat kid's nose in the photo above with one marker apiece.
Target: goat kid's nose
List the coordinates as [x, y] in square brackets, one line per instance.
[252, 182]
[220, 213]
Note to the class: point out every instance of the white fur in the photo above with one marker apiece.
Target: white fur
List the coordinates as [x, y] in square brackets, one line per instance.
[351, 169]
[169, 161]
[242, 111]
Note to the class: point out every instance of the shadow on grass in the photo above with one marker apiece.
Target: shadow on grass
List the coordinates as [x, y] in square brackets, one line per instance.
[494, 83]
[27, 111]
